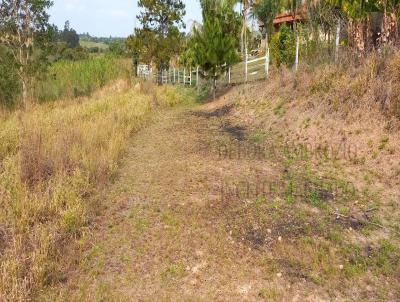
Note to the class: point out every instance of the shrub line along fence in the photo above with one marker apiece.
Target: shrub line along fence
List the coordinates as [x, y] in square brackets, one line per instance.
[251, 69]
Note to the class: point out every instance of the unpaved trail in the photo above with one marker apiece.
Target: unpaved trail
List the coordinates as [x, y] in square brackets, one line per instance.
[159, 238]
[166, 234]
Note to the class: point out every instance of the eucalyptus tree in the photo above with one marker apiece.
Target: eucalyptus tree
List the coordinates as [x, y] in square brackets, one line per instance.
[26, 33]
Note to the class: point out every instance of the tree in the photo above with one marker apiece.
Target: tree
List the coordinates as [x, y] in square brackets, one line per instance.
[283, 46]
[265, 11]
[214, 49]
[69, 36]
[25, 32]
[160, 38]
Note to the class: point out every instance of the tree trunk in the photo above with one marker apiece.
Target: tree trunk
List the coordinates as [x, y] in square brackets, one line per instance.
[214, 87]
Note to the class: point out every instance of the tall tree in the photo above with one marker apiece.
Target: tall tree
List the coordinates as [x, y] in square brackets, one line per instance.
[159, 39]
[69, 36]
[213, 48]
[266, 11]
[25, 32]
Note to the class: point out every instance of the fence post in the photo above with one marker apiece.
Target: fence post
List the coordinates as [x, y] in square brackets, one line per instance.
[337, 42]
[197, 76]
[174, 76]
[267, 63]
[297, 53]
[184, 76]
[229, 75]
[190, 79]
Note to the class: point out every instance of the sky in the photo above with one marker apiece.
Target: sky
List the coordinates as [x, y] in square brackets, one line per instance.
[104, 18]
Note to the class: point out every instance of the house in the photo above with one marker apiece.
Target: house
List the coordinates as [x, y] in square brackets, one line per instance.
[289, 18]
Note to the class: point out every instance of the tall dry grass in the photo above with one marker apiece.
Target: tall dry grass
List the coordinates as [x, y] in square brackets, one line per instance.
[52, 159]
[71, 79]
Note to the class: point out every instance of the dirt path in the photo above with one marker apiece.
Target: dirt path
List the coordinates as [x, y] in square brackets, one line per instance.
[160, 238]
[171, 230]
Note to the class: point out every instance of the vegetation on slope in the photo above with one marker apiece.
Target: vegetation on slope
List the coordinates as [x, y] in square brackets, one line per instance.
[52, 158]
[71, 79]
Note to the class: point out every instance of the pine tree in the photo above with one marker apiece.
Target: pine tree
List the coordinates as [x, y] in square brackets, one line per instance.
[214, 48]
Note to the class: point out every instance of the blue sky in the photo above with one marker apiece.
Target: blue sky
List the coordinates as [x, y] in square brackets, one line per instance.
[104, 17]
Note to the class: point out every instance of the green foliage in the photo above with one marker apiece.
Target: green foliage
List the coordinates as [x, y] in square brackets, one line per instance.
[283, 46]
[26, 33]
[69, 79]
[160, 38]
[117, 48]
[214, 48]
[69, 36]
[265, 11]
[63, 52]
[9, 81]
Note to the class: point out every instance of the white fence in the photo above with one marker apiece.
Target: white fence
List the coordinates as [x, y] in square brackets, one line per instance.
[249, 70]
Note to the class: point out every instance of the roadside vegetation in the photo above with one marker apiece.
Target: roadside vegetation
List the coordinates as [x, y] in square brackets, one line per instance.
[71, 79]
[53, 158]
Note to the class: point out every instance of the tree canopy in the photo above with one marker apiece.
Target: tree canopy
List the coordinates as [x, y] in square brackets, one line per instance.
[160, 38]
[26, 33]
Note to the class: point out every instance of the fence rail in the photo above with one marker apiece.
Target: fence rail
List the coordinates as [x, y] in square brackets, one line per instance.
[248, 70]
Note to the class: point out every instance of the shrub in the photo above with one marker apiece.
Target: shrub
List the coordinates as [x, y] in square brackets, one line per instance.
[283, 46]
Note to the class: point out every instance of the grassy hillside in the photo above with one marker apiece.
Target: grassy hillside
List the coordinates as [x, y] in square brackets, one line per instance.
[90, 44]
[52, 159]
[326, 144]
[71, 79]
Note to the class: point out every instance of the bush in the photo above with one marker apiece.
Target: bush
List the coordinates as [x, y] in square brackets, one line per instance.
[283, 46]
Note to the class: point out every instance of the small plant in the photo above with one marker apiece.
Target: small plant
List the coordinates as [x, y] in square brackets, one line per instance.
[279, 110]
[383, 143]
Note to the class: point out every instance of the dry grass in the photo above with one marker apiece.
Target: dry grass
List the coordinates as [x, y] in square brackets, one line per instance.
[52, 158]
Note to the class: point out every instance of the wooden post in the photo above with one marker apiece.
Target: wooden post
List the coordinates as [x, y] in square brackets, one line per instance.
[184, 76]
[266, 57]
[174, 76]
[297, 53]
[197, 76]
[229, 75]
[190, 79]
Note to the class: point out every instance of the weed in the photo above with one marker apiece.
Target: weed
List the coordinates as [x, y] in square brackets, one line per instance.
[268, 294]
[279, 110]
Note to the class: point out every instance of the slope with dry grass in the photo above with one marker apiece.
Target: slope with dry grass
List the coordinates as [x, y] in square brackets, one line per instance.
[52, 160]
[285, 190]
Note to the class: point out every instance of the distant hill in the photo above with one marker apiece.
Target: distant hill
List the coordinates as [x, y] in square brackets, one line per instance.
[86, 40]
[91, 44]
